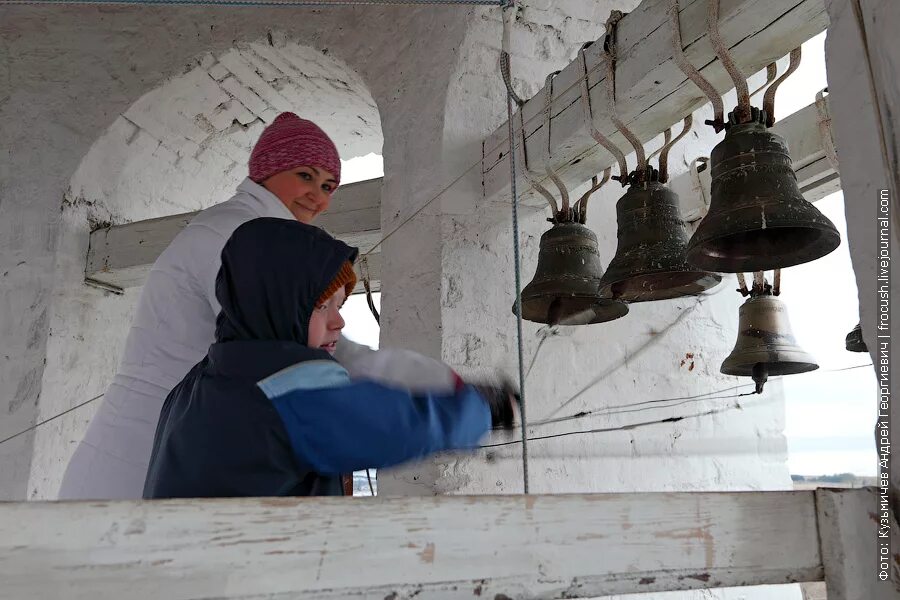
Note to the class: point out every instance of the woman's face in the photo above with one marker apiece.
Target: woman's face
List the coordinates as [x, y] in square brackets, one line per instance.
[305, 191]
[326, 323]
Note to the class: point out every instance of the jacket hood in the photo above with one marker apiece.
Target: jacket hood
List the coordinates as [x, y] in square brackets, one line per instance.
[273, 271]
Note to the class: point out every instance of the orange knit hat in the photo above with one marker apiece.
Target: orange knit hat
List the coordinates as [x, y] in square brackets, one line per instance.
[346, 278]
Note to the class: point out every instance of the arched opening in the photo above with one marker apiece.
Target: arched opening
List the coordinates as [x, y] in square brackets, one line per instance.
[181, 147]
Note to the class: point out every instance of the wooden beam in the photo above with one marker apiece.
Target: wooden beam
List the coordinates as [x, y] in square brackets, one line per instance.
[121, 256]
[652, 92]
[815, 175]
[557, 546]
[854, 525]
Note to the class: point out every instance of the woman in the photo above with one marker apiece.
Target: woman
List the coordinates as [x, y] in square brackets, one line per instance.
[294, 170]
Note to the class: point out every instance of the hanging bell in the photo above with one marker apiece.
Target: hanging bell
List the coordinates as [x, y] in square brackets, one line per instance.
[758, 219]
[650, 258]
[565, 289]
[765, 345]
[854, 340]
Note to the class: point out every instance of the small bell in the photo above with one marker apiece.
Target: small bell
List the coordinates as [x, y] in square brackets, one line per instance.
[854, 340]
[565, 289]
[765, 345]
[650, 257]
[758, 219]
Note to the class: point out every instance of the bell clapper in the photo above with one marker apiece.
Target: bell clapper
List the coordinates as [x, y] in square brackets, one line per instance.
[760, 376]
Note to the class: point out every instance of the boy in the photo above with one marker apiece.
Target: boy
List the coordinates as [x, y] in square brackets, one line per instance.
[268, 412]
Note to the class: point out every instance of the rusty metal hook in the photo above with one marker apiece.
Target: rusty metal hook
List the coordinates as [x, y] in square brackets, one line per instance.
[769, 97]
[692, 73]
[743, 112]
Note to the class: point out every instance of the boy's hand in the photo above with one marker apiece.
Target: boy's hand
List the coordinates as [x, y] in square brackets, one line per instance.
[502, 399]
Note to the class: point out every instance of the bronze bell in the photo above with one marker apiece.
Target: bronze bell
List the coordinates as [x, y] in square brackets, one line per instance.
[765, 344]
[650, 258]
[854, 341]
[758, 220]
[565, 289]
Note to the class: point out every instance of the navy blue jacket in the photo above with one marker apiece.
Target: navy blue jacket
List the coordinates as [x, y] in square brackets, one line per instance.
[265, 415]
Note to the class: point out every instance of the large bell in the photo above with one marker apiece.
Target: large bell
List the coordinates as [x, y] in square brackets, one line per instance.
[758, 220]
[565, 289]
[765, 344]
[650, 258]
[854, 341]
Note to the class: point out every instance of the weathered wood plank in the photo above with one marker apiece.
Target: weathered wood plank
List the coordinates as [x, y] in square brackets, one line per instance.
[653, 94]
[441, 547]
[853, 527]
[121, 255]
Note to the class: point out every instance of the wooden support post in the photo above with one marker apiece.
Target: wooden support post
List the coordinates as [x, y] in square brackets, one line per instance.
[851, 532]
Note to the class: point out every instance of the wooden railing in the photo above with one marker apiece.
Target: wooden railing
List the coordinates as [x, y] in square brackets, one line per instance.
[557, 546]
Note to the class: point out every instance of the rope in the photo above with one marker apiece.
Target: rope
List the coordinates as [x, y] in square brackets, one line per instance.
[648, 423]
[537, 423]
[742, 112]
[691, 72]
[769, 97]
[36, 425]
[516, 258]
[664, 402]
[364, 272]
[620, 428]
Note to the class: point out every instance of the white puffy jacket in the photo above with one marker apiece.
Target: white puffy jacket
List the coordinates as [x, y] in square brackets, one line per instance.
[172, 330]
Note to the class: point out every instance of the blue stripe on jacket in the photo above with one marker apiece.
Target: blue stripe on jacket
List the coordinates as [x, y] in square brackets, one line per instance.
[336, 425]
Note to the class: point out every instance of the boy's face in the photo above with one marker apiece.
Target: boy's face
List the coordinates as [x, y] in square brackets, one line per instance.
[305, 191]
[326, 323]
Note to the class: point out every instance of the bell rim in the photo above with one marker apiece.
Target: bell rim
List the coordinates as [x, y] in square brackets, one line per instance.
[610, 309]
[778, 367]
[700, 257]
[695, 285]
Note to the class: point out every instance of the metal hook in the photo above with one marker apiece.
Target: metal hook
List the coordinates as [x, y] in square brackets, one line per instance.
[664, 151]
[742, 112]
[691, 72]
[742, 283]
[581, 204]
[769, 98]
[609, 47]
[526, 171]
[589, 121]
[548, 105]
[771, 73]
[776, 288]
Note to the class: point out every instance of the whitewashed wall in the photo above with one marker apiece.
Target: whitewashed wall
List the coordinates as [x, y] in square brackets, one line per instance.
[111, 114]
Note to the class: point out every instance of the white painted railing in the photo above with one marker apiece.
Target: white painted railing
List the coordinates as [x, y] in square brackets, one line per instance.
[443, 547]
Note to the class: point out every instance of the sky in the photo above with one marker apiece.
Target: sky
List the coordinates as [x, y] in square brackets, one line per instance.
[830, 414]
